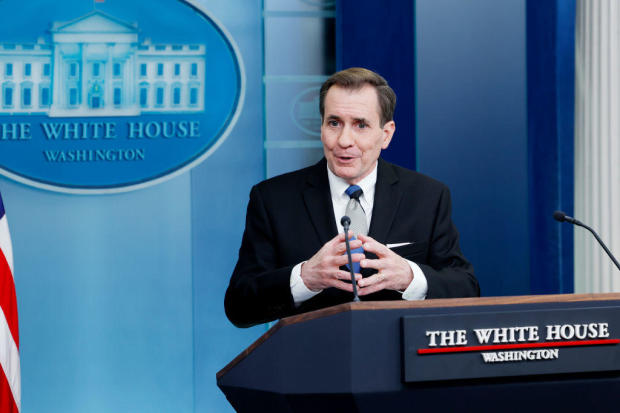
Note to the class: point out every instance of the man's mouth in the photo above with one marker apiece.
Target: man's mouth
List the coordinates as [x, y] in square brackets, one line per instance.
[345, 158]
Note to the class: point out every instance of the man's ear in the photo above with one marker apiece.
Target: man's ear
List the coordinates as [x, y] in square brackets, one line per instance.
[388, 131]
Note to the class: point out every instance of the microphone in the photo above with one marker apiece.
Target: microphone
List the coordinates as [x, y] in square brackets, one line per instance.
[345, 221]
[562, 217]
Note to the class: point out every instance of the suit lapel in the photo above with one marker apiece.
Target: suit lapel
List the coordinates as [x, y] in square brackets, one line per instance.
[387, 198]
[318, 201]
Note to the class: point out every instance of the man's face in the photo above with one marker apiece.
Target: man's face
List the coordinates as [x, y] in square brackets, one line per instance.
[351, 132]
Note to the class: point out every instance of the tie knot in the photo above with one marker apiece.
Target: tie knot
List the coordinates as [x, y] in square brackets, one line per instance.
[354, 192]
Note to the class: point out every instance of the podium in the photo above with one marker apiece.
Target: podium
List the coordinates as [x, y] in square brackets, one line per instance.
[496, 354]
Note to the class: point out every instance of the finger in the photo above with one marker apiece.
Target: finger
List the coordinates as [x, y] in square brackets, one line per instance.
[372, 242]
[346, 275]
[340, 260]
[377, 264]
[366, 238]
[336, 240]
[341, 285]
[372, 280]
[370, 289]
[342, 247]
[379, 249]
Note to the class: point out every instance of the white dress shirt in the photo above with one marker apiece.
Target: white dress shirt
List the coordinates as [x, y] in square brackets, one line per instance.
[418, 287]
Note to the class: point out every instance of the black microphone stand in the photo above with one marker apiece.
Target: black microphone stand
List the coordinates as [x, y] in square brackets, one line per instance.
[346, 221]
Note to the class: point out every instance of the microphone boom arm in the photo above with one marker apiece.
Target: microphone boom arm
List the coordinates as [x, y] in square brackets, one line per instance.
[562, 217]
[600, 241]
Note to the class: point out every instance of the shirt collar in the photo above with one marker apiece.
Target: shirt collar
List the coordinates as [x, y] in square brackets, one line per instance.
[338, 185]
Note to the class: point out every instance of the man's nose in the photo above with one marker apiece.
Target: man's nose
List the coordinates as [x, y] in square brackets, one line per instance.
[346, 137]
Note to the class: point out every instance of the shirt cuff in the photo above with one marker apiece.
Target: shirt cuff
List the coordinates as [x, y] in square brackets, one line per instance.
[299, 291]
[419, 286]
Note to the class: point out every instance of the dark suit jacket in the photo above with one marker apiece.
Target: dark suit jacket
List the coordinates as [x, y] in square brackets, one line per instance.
[290, 217]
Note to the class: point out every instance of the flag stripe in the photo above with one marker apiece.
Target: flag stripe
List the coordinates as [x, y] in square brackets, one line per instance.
[9, 359]
[10, 375]
[5, 241]
[8, 301]
[7, 404]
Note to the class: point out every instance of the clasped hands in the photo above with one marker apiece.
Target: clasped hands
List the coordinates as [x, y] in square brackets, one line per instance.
[323, 269]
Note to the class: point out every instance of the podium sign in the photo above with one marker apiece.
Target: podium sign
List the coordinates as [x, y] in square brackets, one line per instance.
[513, 343]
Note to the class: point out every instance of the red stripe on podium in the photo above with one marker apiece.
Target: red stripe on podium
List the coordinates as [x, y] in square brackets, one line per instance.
[518, 346]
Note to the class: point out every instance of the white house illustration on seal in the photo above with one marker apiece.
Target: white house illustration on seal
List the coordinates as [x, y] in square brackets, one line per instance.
[96, 66]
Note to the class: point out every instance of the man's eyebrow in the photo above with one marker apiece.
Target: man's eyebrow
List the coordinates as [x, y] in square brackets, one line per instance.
[356, 120]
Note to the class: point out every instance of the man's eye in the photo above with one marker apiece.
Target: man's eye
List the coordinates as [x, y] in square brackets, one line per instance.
[362, 125]
[333, 123]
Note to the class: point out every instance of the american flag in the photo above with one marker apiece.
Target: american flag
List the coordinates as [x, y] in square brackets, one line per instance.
[10, 377]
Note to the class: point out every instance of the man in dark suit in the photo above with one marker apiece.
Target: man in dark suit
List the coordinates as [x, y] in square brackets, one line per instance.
[292, 255]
